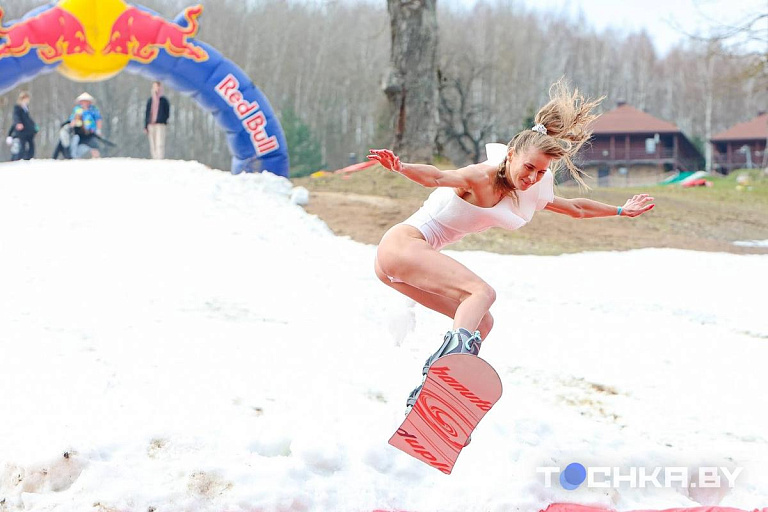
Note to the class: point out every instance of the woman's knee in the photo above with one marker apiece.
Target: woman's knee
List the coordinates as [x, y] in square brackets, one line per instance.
[482, 291]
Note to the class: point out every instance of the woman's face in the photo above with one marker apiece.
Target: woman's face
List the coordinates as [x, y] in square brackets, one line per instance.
[526, 168]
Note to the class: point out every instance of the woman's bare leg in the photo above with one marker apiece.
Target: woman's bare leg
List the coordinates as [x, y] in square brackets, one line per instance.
[405, 255]
[442, 305]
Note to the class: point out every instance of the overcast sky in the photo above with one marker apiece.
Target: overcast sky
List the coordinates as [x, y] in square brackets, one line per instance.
[656, 16]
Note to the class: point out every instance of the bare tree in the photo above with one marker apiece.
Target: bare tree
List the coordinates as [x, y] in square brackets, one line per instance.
[412, 85]
[465, 123]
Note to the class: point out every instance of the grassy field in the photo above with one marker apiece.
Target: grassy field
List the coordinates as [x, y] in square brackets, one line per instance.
[365, 204]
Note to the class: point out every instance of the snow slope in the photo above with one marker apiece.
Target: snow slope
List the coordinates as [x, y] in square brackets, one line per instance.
[180, 338]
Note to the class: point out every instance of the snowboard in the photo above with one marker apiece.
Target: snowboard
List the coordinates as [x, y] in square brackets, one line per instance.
[459, 390]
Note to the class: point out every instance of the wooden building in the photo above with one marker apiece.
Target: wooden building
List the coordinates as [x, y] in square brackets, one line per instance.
[631, 147]
[742, 146]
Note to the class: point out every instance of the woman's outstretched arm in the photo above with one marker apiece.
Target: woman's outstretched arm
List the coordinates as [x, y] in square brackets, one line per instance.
[428, 175]
[581, 208]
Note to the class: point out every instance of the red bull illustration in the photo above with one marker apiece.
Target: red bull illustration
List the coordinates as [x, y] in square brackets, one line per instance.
[140, 35]
[53, 33]
[93, 40]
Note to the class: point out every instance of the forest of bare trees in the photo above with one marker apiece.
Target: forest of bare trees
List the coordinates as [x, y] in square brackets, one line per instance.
[324, 67]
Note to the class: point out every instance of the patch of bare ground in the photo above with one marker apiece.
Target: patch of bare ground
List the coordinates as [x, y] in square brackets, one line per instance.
[365, 204]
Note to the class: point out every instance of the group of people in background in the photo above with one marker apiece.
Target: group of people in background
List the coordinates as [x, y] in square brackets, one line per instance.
[81, 133]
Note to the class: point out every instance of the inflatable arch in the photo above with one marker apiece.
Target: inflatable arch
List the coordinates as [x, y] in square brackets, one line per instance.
[92, 40]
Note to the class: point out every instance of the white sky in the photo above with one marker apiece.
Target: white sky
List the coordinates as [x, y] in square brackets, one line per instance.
[656, 16]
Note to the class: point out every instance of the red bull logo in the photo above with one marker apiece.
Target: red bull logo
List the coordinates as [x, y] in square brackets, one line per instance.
[54, 33]
[140, 35]
[58, 33]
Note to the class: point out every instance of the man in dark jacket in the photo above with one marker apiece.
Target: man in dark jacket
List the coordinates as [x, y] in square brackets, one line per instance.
[156, 120]
[24, 128]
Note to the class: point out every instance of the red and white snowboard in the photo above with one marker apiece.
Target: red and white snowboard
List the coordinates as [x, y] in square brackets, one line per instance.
[459, 390]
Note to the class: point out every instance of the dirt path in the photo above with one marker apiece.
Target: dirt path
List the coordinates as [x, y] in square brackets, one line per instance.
[365, 206]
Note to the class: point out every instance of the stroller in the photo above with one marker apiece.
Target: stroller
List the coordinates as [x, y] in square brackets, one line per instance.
[65, 142]
[14, 144]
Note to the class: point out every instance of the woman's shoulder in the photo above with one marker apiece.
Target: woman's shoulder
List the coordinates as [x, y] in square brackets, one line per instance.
[478, 175]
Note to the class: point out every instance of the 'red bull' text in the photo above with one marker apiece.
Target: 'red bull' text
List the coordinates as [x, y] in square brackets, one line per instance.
[252, 118]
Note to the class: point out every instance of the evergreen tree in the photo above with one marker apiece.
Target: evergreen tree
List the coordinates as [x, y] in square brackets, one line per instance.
[303, 148]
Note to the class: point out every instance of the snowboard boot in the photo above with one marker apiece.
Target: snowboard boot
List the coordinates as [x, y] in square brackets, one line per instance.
[454, 342]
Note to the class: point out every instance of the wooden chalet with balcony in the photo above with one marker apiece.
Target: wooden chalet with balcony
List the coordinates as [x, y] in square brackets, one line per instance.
[742, 146]
[631, 147]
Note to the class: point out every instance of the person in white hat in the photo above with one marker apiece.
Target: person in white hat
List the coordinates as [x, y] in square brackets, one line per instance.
[86, 120]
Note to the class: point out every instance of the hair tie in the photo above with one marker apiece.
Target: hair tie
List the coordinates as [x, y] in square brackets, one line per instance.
[540, 128]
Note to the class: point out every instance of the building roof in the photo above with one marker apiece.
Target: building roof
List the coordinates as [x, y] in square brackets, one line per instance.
[627, 119]
[757, 128]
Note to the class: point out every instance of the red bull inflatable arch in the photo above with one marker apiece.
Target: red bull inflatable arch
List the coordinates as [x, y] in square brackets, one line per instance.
[93, 40]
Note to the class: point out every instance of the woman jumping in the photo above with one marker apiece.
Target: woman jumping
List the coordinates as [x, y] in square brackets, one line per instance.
[505, 191]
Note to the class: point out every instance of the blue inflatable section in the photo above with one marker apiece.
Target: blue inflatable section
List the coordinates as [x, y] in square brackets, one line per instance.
[256, 139]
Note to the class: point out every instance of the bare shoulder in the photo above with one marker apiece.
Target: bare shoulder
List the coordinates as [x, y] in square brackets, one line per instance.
[478, 174]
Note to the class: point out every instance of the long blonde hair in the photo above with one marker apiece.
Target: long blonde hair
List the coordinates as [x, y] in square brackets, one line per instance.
[566, 118]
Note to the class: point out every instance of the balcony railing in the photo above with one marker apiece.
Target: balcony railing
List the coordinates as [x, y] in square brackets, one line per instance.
[621, 154]
[738, 158]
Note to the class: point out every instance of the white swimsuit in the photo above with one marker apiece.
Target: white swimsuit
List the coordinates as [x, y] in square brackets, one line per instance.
[446, 218]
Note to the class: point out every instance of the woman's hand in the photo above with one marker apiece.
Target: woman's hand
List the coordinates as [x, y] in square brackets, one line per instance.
[638, 205]
[387, 159]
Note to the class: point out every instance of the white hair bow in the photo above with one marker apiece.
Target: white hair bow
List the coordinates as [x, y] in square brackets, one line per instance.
[540, 128]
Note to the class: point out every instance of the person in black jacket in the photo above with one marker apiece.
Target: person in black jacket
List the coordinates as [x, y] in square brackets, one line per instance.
[24, 128]
[156, 121]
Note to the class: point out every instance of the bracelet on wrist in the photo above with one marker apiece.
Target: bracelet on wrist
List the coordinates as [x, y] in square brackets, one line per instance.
[619, 210]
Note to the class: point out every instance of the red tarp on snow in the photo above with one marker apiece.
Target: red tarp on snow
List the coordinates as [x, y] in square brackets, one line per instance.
[567, 507]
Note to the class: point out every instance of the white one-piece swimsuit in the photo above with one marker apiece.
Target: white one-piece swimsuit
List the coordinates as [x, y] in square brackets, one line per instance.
[445, 218]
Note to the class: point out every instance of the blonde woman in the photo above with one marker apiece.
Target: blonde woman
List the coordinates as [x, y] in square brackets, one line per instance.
[505, 191]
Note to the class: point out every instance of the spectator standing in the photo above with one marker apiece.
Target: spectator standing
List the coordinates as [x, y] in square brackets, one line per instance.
[24, 128]
[156, 121]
